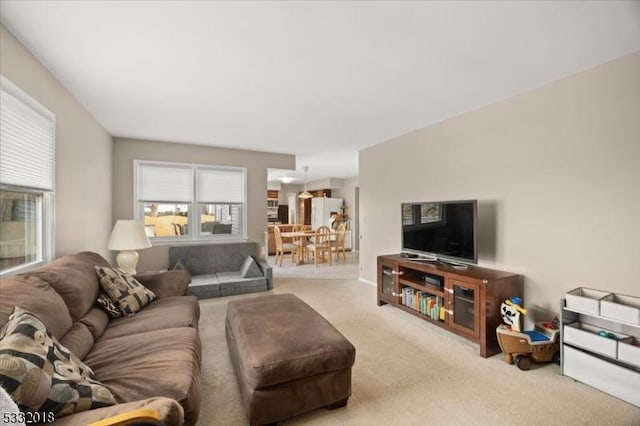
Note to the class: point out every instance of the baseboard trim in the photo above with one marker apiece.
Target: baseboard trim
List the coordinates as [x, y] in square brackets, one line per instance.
[367, 281]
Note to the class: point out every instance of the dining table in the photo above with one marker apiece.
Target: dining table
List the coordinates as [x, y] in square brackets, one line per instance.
[302, 237]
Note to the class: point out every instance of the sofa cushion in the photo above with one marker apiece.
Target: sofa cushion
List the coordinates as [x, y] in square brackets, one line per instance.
[96, 321]
[180, 266]
[37, 296]
[161, 363]
[250, 268]
[230, 279]
[43, 375]
[78, 340]
[166, 284]
[128, 294]
[74, 279]
[169, 312]
[204, 279]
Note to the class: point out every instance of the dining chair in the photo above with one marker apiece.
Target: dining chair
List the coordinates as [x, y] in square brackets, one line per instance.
[296, 228]
[177, 228]
[337, 245]
[281, 247]
[321, 244]
[296, 240]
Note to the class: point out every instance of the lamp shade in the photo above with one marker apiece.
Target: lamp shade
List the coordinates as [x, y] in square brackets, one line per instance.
[128, 235]
[306, 194]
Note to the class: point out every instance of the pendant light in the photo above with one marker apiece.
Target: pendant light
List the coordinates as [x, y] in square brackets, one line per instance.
[306, 194]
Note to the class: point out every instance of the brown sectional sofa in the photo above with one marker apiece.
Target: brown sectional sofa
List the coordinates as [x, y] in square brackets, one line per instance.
[148, 360]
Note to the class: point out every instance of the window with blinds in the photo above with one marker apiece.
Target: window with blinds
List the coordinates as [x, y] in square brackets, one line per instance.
[190, 202]
[27, 174]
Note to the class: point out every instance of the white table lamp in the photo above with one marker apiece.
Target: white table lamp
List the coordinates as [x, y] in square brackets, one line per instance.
[128, 236]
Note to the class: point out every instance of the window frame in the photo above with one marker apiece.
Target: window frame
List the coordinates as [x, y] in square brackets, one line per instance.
[45, 230]
[45, 197]
[194, 234]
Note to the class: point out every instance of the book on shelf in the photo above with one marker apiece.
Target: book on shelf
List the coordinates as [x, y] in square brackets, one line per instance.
[423, 302]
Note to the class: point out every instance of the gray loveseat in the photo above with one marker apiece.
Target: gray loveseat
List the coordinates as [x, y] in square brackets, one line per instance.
[221, 269]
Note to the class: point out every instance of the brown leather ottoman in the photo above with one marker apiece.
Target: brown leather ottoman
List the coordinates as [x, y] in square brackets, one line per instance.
[288, 359]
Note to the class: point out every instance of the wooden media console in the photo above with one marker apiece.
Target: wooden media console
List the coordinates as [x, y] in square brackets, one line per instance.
[465, 301]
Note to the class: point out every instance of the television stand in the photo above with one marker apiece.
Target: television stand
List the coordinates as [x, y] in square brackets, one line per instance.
[462, 301]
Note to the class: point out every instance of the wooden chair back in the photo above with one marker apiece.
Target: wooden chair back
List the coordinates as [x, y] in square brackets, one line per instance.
[342, 230]
[338, 244]
[323, 236]
[277, 236]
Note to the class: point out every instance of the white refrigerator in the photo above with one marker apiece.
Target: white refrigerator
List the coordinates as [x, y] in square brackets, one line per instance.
[321, 209]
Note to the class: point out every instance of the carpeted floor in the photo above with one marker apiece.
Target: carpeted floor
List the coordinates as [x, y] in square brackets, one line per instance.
[408, 372]
[346, 268]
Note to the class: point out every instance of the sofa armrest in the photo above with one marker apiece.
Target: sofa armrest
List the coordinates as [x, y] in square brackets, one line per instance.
[166, 284]
[267, 271]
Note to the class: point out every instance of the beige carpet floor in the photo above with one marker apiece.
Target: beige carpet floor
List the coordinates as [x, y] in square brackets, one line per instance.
[346, 268]
[408, 372]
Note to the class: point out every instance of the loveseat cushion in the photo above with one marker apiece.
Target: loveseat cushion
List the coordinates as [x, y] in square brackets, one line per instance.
[43, 375]
[250, 268]
[161, 362]
[169, 312]
[74, 279]
[126, 292]
[37, 296]
[225, 284]
[234, 283]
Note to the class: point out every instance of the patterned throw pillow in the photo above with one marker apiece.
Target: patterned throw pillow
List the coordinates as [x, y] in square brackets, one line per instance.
[126, 292]
[42, 375]
[107, 305]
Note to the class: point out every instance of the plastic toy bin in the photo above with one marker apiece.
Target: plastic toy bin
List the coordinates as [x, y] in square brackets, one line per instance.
[621, 308]
[585, 300]
[586, 337]
[629, 351]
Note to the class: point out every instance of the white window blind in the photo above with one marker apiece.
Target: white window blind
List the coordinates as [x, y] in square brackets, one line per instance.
[27, 140]
[165, 183]
[220, 185]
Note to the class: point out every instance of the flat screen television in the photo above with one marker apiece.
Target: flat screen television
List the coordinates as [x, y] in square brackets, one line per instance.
[445, 230]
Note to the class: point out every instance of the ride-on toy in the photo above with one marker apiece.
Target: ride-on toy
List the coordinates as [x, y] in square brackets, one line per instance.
[524, 347]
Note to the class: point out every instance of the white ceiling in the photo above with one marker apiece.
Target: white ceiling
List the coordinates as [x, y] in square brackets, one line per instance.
[318, 79]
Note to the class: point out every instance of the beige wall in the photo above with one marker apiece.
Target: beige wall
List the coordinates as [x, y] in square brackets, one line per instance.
[83, 154]
[556, 171]
[127, 150]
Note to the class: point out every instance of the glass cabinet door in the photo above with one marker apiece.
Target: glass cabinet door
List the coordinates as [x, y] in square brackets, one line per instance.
[464, 307]
[387, 281]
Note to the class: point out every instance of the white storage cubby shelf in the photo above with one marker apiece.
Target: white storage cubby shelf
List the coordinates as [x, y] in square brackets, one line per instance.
[600, 340]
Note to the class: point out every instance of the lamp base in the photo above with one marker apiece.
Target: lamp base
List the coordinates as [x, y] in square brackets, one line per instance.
[127, 261]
